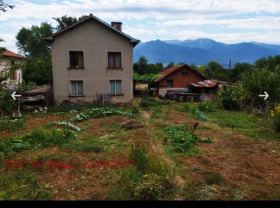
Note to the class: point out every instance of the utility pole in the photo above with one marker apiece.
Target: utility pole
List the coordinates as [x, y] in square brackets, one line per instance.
[229, 67]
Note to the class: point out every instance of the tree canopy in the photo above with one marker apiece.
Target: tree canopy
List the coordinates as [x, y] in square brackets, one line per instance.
[30, 40]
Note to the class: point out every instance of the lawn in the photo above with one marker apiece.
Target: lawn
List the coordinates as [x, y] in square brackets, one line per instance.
[228, 156]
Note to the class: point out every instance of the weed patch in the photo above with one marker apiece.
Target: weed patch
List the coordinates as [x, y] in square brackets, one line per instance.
[183, 139]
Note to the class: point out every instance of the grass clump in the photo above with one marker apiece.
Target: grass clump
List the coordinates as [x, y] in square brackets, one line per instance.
[214, 178]
[38, 138]
[23, 185]
[149, 179]
[151, 102]
[12, 125]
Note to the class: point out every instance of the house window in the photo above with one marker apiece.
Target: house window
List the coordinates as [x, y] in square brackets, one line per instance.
[169, 83]
[115, 87]
[114, 60]
[77, 88]
[184, 73]
[76, 59]
[13, 74]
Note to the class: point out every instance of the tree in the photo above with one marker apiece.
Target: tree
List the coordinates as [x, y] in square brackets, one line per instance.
[141, 66]
[3, 8]
[65, 21]
[261, 80]
[171, 64]
[238, 70]
[30, 40]
[38, 70]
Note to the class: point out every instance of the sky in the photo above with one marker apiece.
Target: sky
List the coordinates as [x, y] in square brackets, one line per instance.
[227, 21]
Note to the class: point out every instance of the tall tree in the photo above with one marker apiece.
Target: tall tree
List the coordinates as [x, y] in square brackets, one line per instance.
[66, 21]
[30, 40]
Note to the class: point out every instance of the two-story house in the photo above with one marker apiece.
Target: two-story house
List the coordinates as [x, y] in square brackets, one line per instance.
[91, 57]
[5, 63]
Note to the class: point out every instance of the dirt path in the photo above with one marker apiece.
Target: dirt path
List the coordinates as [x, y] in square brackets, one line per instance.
[157, 147]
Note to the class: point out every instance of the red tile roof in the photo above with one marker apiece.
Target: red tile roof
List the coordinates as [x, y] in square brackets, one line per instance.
[173, 69]
[12, 54]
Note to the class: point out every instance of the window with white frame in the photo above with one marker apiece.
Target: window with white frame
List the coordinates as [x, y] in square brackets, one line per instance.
[77, 88]
[115, 87]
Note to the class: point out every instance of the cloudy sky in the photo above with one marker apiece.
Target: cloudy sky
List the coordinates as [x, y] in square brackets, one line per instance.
[228, 21]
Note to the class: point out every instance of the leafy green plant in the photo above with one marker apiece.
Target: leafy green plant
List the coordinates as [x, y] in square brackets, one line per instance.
[200, 115]
[98, 113]
[12, 125]
[36, 139]
[183, 139]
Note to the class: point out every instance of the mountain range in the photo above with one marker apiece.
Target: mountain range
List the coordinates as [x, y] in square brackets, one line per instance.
[201, 51]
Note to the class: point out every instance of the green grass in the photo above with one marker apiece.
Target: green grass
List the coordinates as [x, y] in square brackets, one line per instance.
[249, 125]
[22, 184]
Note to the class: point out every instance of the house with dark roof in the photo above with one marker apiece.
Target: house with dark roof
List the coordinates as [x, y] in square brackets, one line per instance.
[184, 81]
[5, 61]
[92, 57]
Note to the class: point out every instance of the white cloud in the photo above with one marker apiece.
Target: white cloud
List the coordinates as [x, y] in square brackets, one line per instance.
[157, 16]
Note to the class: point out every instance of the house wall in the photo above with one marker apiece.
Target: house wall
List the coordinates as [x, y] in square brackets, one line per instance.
[4, 63]
[180, 82]
[95, 40]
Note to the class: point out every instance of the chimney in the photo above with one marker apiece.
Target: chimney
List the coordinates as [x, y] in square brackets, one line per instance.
[117, 25]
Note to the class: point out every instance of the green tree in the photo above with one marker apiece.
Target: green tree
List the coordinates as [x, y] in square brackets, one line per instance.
[261, 80]
[30, 40]
[171, 64]
[38, 70]
[66, 21]
[238, 70]
[141, 66]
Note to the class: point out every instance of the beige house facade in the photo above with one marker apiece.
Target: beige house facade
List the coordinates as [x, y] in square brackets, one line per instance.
[5, 61]
[92, 57]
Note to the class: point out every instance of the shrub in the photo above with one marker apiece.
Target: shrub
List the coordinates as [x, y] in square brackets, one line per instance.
[205, 106]
[7, 104]
[149, 188]
[230, 98]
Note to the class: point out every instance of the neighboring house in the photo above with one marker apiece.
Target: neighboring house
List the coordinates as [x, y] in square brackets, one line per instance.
[184, 81]
[5, 59]
[91, 57]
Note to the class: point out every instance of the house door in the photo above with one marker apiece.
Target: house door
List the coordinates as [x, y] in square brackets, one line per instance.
[169, 83]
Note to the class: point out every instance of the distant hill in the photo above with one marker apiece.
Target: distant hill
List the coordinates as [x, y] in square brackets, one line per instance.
[201, 51]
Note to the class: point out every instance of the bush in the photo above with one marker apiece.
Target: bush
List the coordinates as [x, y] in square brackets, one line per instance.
[149, 188]
[205, 106]
[7, 104]
[230, 98]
